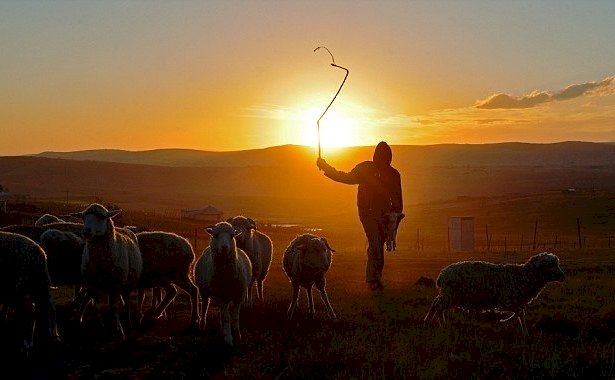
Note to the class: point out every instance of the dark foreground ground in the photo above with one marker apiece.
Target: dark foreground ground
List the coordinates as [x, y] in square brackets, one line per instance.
[572, 327]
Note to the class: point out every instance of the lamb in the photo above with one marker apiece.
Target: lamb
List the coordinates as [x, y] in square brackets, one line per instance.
[47, 219]
[24, 280]
[259, 249]
[306, 261]
[483, 286]
[223, 274]
[391, 223]
[111, 262]
[168, 261]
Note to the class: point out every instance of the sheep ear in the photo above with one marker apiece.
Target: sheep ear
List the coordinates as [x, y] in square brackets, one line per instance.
[252, 223]
[327, 244]
[78, 214]
[209, 229]
[113, 213]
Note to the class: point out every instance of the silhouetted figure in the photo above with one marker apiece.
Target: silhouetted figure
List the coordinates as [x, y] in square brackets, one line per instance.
[379, 193]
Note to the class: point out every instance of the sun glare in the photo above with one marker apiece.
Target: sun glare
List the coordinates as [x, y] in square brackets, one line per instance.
[337, 129]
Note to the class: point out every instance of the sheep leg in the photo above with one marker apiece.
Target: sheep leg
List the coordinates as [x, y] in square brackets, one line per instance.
[433, 310]
[130, 311]
[188, 286]
[116, 324]
[250, 293]
[170, 293]
[259, 291]
[325, 298]
[226, 325]
[80, 303]
[293, 304]
[24, 314]
[140, 298]
[204, 308]
[308, 290]
[93, 298]
[236, 331]
[521, 316]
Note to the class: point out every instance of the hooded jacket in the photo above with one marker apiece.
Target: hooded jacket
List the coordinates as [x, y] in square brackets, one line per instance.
[379, 183]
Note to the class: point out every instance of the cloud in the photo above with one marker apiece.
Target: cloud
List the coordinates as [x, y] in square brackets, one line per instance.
[505, 101]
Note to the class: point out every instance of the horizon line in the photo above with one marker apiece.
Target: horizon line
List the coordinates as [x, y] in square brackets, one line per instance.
[296, 145]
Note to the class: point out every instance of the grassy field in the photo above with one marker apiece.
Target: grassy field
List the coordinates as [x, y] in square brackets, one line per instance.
[572, 327]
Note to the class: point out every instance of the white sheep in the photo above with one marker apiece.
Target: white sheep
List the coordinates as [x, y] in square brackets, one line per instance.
[24, 282]
[306, 261]
[223, 274]
[391, 224]
[47, 219]
[168, 261]
[111, 262]
[259, 249]
[483, 286]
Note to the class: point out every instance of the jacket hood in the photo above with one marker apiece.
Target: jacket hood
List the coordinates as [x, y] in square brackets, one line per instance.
[383, 154]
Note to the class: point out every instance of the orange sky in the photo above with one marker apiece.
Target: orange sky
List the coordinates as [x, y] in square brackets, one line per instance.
[240, 75]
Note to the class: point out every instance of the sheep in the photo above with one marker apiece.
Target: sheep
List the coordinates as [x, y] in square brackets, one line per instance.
[259, 249]
[47, 219]
[223, 274]
[391, 224]
[168, 261]
[24, 280]
[111, 262]
[483, 286]
[64, 250]
[306, 261]
[35, 232]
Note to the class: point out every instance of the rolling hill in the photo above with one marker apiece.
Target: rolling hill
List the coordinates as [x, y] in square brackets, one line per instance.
[283, 182]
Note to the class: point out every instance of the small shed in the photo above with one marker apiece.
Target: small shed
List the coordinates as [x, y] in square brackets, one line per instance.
[461, 233]
[207, 214]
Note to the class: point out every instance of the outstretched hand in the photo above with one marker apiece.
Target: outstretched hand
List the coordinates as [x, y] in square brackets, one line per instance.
[321, 163]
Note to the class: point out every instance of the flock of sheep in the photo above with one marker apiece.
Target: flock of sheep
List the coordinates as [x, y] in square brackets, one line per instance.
[99, 258]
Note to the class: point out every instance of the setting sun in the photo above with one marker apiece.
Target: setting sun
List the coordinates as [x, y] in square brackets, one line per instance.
[337, 129]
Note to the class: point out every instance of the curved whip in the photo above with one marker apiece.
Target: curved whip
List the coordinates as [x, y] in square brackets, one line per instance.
[335, 96]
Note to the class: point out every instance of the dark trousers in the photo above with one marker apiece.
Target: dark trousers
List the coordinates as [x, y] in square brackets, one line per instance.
[374, 230]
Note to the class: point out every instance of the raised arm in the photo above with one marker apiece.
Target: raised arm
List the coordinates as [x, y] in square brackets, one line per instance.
[350, 178]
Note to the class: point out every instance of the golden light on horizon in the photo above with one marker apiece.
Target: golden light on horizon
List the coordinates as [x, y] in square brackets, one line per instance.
[337, 129]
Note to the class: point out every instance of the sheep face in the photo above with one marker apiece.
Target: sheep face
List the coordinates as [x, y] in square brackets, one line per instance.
[548, 265]
[222, 243]
[391, 223]
[244, 226]
[96, 220]
[315, 253]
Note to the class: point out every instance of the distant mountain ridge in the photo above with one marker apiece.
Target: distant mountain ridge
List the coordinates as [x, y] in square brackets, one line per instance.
[482, 155]
[283, 182]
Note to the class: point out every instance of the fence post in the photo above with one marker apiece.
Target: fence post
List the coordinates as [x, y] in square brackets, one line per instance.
[535, 232]
[579, 232]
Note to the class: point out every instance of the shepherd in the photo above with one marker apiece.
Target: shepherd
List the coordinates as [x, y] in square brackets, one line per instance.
[378, 195]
